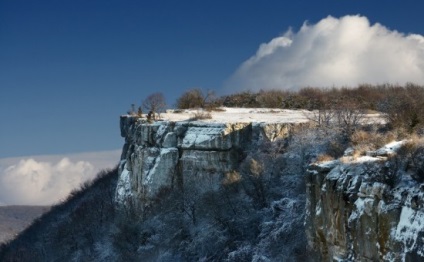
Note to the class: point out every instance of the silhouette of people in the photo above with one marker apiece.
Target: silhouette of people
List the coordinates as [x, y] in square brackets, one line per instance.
[151, 116]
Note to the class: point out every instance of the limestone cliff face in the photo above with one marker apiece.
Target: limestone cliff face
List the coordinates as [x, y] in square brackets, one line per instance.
[355, 213]
[165, 154]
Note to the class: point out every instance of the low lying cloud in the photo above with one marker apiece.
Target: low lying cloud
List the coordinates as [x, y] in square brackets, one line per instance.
[334, 52]
[45, 180]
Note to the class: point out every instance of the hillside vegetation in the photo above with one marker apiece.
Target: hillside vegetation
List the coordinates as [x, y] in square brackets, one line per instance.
[402, 105]
[69, 228]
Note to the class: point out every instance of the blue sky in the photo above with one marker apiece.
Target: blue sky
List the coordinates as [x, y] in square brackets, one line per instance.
[68, 69]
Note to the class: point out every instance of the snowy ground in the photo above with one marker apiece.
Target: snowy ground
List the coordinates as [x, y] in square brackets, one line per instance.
[267, 115]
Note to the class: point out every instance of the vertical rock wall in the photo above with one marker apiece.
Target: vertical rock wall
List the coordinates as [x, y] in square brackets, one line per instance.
[165, 154]
[353, 214]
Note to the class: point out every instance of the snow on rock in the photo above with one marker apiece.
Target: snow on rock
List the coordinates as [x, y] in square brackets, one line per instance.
[410, 230]
[161, 174]
[206, 138]
[324, 166]
[170, 140]
[123, 189]
[160, 153]
[387, 150]
[356, 213]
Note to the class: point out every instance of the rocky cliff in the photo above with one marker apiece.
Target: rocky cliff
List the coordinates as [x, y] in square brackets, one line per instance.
[165, 154]
[365, 209]
[368, 208]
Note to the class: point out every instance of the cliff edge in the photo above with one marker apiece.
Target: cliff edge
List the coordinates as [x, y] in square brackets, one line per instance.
[176, 150]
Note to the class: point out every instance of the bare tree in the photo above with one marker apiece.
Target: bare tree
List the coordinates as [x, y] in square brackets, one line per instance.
[349, 118]
[322, 117]
[270, 98]
[403, 107]
[195, 98]
[155, 103]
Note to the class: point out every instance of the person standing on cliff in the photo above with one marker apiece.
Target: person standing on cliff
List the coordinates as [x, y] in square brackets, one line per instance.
[151, 116]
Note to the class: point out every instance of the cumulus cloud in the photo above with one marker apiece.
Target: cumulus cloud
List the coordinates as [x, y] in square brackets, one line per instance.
[334, 52]
[46, 180]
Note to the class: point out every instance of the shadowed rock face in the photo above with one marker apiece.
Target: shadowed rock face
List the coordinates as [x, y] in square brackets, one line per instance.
[353, 214]
[164, 154]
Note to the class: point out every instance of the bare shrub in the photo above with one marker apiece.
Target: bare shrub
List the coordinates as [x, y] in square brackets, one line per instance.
[322, 117]
[155, 103]
[243, 99]
[336, 147]
[324, 157]
[231, 178]
[403, 107]
[201, 115]
[349, 118]
[294, 101]
[216, 109]
[315, 98]
[195, 98]
[270, 98]
[364, 141]
[360, 137]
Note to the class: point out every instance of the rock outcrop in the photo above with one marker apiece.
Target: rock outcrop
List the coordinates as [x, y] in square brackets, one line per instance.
[165, 154]
[357, 211]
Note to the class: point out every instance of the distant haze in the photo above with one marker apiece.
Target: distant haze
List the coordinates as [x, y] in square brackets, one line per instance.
[45, 180]
[334, 52]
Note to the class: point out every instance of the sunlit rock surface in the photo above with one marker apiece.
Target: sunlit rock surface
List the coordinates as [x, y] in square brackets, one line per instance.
[168, 153]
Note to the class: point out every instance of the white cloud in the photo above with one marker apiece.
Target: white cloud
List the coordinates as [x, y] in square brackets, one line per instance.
[334, 52]
[44, 180]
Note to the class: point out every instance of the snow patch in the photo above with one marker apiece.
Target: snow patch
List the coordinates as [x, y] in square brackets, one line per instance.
[390, 149]
[324, 166]
[199, 135]
[363, 159]
[123, 189]
[411, 223]
[247, 115]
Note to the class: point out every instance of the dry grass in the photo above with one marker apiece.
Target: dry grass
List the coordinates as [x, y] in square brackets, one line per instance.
[324, 157]
[360, 137]
[215, 109]
[201, 115]
[412, 144]
[231, 178]
[335, 148]
[364, 141]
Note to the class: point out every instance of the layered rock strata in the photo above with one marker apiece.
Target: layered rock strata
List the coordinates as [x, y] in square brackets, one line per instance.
[166, 154]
